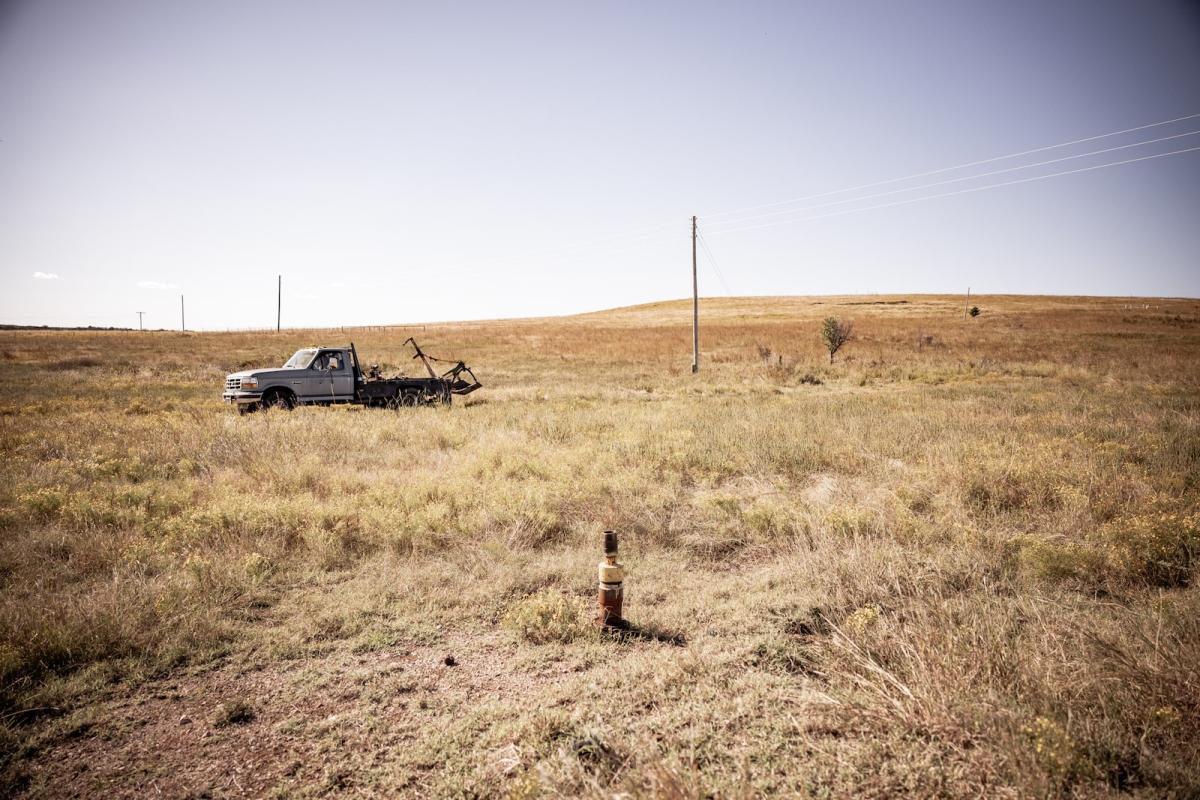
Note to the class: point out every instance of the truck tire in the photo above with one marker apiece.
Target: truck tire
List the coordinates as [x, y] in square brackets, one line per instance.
[279, 398]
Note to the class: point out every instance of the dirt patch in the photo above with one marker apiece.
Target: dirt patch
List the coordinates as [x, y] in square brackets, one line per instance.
[297, 723]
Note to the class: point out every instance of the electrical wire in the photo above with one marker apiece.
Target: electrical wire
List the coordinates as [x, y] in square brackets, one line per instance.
[712, 260]
[927, 173]
[958, 192]
[948, 181]
[629, 240]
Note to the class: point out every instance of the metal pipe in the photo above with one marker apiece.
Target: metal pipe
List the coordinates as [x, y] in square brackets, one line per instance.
[612, 579]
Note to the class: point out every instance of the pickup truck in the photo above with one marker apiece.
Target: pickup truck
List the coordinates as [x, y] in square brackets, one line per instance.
[328, 375]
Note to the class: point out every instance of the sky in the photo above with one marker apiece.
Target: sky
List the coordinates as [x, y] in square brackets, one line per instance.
[407, 162]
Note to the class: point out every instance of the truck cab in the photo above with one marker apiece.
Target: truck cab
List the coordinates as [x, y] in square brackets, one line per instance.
[312, 375]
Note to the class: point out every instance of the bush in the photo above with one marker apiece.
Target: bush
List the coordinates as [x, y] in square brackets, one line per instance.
[1053, 749]
[1161, 549]
[548, 617]
[834, 334]
[1056, 561]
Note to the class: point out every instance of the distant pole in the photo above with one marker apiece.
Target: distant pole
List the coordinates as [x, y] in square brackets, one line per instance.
[279, 305]
[967, 306]
[140, 319]
[182, 318]
[695, 306]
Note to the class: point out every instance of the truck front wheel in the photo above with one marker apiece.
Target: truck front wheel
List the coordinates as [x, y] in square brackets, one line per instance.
[279, 399]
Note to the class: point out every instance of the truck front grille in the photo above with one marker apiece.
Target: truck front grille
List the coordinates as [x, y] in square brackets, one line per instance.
[233, 384]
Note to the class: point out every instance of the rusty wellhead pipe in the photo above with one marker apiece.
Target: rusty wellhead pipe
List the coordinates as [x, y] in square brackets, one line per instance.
[612, 577]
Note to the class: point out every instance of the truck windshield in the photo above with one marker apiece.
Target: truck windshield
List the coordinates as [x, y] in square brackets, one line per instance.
[301, 359]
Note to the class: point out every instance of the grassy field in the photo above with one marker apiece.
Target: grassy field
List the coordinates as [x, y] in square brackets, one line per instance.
[959, 561]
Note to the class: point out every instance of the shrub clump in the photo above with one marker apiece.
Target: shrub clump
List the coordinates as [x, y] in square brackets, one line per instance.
[258, 567]
[862, 619]
[1056, 561]
[1053, 749]
[1162, 549]
[548, 617]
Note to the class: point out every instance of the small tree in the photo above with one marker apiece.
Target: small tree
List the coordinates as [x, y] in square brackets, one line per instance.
[974, 312]
[835, 334]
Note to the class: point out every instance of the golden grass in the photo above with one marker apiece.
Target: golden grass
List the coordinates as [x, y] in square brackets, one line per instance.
[960, 560]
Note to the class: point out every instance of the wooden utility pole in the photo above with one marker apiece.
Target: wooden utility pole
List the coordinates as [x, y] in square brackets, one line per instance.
[279, 305]
[967, 306]
[182, 318]
[695, 307]
[140, 319]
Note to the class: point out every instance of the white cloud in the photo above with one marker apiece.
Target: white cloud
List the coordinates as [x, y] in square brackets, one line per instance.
[46, 276]
[155, 285]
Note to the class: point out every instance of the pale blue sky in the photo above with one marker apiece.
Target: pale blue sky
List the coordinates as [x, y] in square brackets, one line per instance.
[429, 161]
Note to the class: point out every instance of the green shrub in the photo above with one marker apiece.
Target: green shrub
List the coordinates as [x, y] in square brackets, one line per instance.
[1058, 561]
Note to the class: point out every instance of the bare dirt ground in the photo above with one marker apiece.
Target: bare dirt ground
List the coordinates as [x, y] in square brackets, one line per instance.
[166, 738]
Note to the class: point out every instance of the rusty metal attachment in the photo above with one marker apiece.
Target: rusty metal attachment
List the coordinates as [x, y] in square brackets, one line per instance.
[612, 578]
[453, 377]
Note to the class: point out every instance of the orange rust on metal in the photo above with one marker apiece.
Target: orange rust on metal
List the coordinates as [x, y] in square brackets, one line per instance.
[610, 604]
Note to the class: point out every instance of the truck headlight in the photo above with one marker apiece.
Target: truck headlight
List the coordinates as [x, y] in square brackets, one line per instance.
[249, 383]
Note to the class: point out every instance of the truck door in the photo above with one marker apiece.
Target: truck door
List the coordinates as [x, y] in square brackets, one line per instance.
[341, 374]
[317, 385]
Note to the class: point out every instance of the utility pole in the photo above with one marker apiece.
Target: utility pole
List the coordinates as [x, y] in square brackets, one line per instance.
[182, 318]
[695, 307]
[967, 306]
[140, 319]
[279, 305]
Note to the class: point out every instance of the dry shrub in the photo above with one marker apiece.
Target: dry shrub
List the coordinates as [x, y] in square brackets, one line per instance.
[548, 617]
[1015, 486]
[1158, 548]
[1056, 560]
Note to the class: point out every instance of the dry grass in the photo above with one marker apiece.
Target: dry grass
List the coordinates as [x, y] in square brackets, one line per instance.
[958, 561]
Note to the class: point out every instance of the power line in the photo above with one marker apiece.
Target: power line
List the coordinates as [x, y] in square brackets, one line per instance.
[712, 260]
[948, 181]
[958, 192]
[620, 242]
[948, 169]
